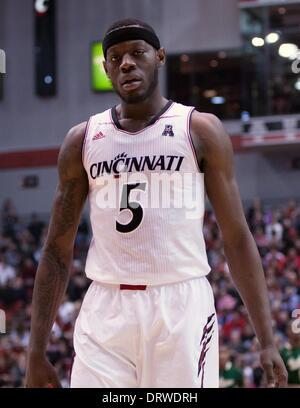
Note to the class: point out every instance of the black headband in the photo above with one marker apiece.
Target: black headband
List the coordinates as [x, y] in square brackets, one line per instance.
[129, 33]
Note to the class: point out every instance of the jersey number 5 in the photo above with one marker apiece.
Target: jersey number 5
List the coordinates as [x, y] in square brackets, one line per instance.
[133, 206]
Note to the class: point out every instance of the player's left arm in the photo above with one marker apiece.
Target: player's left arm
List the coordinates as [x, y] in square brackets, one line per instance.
[213, 147]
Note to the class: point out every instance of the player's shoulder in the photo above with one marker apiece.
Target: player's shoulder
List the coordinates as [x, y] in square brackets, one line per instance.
[71, 147]
[206, 122]
[75, 137]
[208, 128]
[76, 133]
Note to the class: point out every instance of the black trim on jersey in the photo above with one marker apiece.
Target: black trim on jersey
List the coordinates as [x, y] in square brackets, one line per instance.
[151, 122]
[201, 163]
[86, 129]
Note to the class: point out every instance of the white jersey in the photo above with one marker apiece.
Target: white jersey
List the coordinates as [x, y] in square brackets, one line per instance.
[146, 196]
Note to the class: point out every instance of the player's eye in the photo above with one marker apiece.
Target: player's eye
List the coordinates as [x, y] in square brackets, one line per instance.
[114, 58]
[139, 52]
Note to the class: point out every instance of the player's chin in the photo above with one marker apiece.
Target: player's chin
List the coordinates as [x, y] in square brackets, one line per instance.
[135, 96]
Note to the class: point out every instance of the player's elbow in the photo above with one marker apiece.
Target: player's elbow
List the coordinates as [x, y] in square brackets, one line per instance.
[237, 237]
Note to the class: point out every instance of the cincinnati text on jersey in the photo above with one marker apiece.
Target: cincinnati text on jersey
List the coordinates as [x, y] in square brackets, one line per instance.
[122, 163]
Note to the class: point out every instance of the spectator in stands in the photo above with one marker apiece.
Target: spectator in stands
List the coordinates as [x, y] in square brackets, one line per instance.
[274, 230]
[9, 218]
[291, 356]
[35, 227]
[7, 272]
[20, 248]
[230, 375]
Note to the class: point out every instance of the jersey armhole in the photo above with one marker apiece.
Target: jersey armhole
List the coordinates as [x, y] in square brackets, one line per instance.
[189, 117]
[86, 131]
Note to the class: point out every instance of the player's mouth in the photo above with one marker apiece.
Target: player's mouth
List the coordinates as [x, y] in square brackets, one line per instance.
[131, 84]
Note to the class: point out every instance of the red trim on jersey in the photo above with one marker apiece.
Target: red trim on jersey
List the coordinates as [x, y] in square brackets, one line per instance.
[206, 337]
[190, 138]
[132, 287]
[71, 366]
[142, 130]
[84, 138]
[170, 116]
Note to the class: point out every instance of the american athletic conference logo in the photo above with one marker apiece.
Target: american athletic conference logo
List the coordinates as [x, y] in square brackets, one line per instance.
[168, 131]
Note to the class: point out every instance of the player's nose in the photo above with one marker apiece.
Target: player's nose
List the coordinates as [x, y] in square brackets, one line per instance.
[127, 63]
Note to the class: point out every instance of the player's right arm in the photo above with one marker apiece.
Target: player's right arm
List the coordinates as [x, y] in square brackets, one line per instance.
[53, 271]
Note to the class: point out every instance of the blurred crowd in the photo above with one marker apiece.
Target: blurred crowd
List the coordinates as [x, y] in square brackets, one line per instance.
[277, 235]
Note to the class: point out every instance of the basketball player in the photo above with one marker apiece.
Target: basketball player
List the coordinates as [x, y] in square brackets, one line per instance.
[148, 318]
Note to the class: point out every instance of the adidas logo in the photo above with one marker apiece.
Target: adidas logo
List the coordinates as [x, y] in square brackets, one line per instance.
[98, 135]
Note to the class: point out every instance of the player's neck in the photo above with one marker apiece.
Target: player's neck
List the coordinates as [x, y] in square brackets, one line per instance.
[142, 110]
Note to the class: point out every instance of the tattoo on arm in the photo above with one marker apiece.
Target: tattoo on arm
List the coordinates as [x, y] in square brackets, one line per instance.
[51, 283]
[53, 272]
[66, 208]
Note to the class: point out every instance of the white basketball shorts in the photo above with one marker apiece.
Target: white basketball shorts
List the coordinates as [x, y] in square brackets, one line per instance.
[163, 336]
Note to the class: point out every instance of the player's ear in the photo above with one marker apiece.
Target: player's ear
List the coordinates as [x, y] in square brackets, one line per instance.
[161, 56]
[105, 68]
